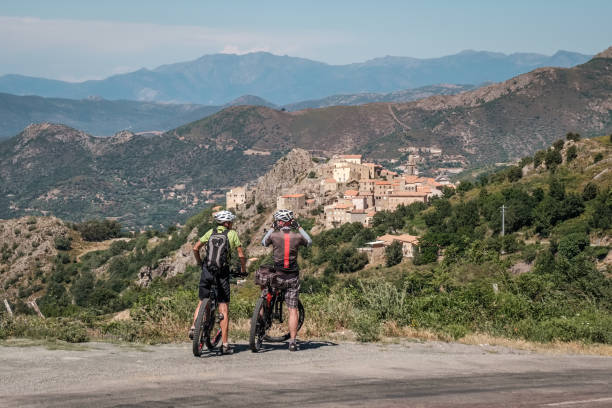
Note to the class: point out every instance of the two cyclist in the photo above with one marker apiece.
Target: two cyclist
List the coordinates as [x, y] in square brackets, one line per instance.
[286, 237]
[216, 268]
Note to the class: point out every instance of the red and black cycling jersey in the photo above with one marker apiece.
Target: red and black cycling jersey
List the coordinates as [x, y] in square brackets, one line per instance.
[286, 243]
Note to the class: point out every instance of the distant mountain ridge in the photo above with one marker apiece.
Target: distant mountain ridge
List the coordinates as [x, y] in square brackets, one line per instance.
[218, 78]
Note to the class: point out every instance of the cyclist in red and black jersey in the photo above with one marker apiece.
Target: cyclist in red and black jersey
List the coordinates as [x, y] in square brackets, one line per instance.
[286, 242]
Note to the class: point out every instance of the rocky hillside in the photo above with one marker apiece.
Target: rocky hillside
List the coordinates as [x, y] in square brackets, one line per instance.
[158, 180]
[28, 248]
[406, 95]
[140, 180]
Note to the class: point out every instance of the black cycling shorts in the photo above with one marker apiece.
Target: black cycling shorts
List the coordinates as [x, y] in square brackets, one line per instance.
[222, 281]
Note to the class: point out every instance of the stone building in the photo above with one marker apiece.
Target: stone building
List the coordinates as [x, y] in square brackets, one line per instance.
[292, 202]
[235, 197]
[409, 243]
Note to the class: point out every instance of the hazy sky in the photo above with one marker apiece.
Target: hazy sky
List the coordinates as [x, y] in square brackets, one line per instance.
[79, 39]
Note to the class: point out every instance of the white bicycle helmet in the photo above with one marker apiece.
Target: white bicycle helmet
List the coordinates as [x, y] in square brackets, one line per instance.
[283, 215]
[224, 216]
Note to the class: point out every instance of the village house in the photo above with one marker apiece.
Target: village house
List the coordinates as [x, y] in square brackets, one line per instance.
[328, 185]
[337, 214]
[235, 197]
[397, 198]
[350, 158]
[409, 243]
[291, 202]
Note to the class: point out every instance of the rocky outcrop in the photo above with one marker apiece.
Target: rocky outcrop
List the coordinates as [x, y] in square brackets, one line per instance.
[172, 265]
[287, 172]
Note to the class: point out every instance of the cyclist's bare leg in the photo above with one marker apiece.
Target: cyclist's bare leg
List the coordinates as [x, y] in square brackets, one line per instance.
[293, 322]
[195, 314]
[223, 309]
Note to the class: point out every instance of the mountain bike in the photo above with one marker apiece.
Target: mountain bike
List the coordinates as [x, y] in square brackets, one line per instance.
[208, 322]
[269, 315]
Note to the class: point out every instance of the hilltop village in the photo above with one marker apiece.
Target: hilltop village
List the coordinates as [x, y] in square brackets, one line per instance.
[346, 189]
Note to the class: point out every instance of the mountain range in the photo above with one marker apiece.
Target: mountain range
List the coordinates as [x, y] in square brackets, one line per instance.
[149, 180]
[219, 78]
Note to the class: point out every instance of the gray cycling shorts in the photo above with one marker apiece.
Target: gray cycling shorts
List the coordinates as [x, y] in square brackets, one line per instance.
[291, 283]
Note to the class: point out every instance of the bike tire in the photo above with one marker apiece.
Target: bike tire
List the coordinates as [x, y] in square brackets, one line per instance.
[286, 336]
[199, 337]
[258, 329]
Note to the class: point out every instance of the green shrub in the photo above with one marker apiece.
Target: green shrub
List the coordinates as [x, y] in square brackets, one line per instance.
[62, 243]
[96, 230]
[597, 157]
[590, 191]
[367, 326]
[571, 153]
[572, 244]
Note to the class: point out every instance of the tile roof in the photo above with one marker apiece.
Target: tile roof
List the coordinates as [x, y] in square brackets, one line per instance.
[351, 193]
[388, 238]
[293, 195]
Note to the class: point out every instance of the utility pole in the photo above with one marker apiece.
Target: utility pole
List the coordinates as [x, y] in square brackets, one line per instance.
[503, 211]
[8, 307]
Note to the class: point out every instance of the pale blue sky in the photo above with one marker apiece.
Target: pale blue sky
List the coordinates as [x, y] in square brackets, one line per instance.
[76, 40]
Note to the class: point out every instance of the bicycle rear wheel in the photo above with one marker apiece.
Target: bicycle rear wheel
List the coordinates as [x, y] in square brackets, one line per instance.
[258, 326]
[273, 335]
[199, 338]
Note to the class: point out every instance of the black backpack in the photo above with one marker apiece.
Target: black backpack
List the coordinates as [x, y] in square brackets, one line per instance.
[217, 251]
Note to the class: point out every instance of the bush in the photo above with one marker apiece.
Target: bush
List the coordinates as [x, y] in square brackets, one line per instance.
[367, 326]
[553, 158]
[597, 157]
[571, 153]
[514, 174]
[62, 243]
[96, 230]
[572, 136]
[572, 244]
[348, 259]
[590, 191]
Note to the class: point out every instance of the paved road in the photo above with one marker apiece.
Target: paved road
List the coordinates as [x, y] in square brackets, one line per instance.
[322, 374]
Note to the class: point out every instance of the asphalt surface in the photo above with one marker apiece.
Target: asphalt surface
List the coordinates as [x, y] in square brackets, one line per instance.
[321, 374]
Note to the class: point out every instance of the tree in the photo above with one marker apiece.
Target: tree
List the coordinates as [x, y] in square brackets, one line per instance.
[558, 145]
[572, 244]
[538, 158]
[62, 243]
[573, 136]
[553, 158]
[590, 191]
[571, 153]
[514, 174]
[394, 253]
[83, 288]
[602, 211]
[556, 189]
